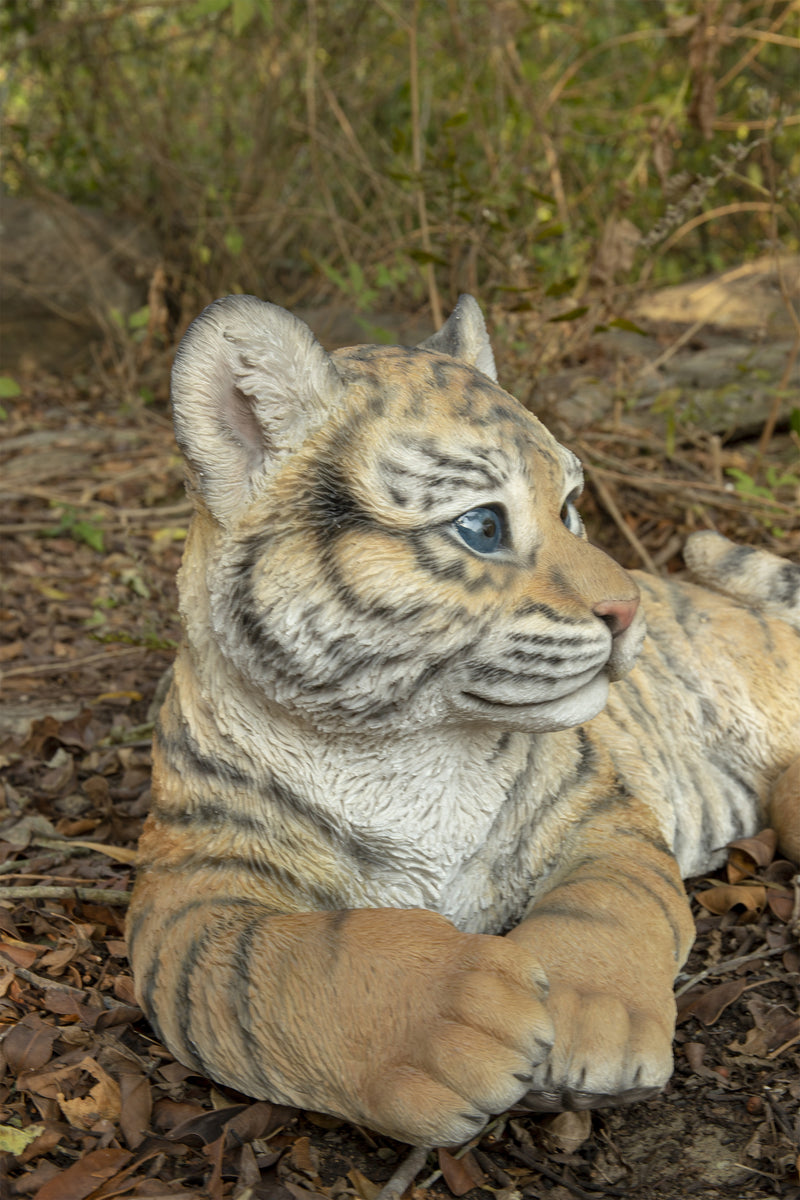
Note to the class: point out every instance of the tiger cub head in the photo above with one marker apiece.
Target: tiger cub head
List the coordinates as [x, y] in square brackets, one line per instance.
[384, 538]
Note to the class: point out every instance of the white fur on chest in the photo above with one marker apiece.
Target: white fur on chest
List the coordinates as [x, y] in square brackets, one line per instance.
[434, 801]
[452, 812]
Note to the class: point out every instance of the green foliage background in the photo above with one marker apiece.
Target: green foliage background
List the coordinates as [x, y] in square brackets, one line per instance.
[397, 151]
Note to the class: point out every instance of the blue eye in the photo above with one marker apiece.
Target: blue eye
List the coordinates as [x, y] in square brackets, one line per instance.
[482, 529]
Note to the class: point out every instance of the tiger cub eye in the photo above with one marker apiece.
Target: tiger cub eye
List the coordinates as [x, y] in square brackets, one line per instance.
[482, 529]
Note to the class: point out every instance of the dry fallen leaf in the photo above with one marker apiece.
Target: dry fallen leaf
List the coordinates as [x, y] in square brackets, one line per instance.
[747, 855]
[85, 1176]
[775, 1029]
[15, 1141]
[101, 1104]
[206, 1127]
[29, 1045]
[460, 1174]
[569, 1130]
[707, 1004]
[725, 896]
[304, 1157]
[695, 1052]
[364, 1188]
[136, 1106]
[49, 1136]
[20, 953]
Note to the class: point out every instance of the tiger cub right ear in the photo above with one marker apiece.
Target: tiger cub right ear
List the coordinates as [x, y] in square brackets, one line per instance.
[249, 383]
[464, 336]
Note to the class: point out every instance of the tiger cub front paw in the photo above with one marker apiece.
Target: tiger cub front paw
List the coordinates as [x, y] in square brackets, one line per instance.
[466, 1050]
[606, 1051]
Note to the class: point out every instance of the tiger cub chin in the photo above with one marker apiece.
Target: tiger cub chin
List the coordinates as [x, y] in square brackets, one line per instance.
[423, 791]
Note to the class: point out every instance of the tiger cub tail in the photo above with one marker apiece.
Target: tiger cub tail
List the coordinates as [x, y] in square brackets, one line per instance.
[753, 577]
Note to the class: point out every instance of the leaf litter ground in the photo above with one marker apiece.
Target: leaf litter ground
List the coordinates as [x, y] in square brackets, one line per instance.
[91, 1105]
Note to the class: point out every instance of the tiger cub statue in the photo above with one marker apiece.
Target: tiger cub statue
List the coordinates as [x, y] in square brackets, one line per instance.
[423, 791]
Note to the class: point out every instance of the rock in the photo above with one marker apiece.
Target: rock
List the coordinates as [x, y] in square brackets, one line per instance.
[748, 298]
[63, 270]
[722, 380]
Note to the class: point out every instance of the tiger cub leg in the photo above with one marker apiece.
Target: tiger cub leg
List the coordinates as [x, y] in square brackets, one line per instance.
[784, 811]
[612, 935]
[390, 1018]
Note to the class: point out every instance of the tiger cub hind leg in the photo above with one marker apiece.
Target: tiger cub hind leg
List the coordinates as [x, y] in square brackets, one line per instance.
[771, 586]
[753, 577]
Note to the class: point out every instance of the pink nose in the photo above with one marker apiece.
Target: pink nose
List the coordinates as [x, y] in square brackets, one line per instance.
[617, 614]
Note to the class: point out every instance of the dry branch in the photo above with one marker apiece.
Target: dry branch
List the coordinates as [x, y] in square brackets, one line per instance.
[88, 895]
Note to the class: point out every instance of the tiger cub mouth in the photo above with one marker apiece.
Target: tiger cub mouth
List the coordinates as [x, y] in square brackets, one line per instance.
[551, 702]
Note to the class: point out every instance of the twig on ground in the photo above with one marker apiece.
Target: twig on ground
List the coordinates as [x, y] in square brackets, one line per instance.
[89, 895]
[49, 985]
[650, 368]
[780, 1049]
[16, 866]
[404, 1176]
[434, 299]
[608, 502]
[794, 920]
[487, 1164]
[541, 1168]
[462, 1150]
[724, 967]
[705, 493]
[70, 664]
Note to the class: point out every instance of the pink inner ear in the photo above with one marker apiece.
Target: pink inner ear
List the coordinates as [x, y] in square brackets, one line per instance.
[238, 421]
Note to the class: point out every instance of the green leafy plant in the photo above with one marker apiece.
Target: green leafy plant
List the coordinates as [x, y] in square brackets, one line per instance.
[134, 325]
[774, 480]
[80, 529]
[294, 150]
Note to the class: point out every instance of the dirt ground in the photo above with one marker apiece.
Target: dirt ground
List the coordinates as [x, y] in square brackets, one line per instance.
[91, 1105]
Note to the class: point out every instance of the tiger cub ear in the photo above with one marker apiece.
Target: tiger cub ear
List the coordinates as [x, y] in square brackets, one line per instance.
[464, 336]
[249, 382]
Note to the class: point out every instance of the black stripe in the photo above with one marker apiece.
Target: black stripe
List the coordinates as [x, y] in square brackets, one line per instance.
[242, 1006]
[587, 653]
[483, 673]
[457, 566]
[618, 797]
[354, 666]
[182, 1003]
[683, 608]
[133, 926]
[656, 842]
[539, 608]
[184, 745]
[149, 979]
[547, 907]
[330, 504]
[457, 466]
[622, 880]
[587, 761]
[566, 641]
[311, 895]
[735, 558]
[787, 584]
[183, 752]
[635, 702]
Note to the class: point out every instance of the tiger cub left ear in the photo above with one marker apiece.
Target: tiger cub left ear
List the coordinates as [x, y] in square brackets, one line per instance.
[249, 383]
[464, 336]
